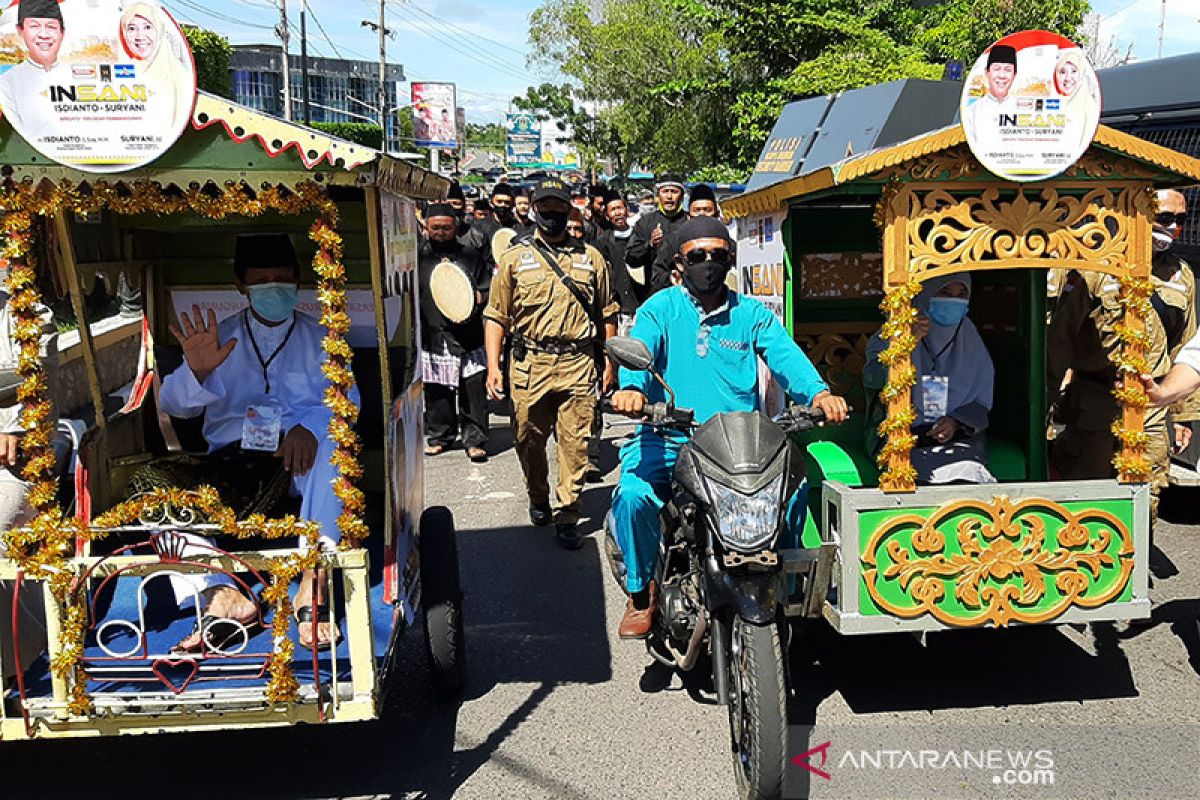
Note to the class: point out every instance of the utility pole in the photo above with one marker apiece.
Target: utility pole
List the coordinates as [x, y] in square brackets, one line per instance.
[285, 36]
[304, 60]
[384, 32]
[1162, 24]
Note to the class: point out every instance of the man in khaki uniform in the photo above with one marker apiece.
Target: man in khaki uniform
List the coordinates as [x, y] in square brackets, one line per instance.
[552, 296]
[1082, 342]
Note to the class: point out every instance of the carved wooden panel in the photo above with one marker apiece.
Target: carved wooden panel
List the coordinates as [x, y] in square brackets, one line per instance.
[841, 276]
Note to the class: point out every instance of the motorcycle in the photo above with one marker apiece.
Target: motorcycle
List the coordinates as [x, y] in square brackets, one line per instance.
[724, 581]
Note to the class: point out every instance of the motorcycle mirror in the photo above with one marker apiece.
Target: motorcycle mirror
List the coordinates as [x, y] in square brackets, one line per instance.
[629, 353]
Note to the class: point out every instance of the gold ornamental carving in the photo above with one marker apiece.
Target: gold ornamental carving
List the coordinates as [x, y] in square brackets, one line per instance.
[1000, 565]
[838, 357]
[954, 163]
[990, 230]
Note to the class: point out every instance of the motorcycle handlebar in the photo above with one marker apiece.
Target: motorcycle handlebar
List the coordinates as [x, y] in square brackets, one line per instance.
[662, 415]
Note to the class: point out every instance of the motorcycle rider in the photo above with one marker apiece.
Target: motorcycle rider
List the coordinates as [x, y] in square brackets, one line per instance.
[706, 341]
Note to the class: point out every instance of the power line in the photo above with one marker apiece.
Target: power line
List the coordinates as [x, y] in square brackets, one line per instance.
[221, 16]
[447, 24]
[494, 64]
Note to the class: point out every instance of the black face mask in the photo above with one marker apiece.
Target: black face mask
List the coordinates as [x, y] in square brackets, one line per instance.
[551, 223]
[505, 216]
[704, 278]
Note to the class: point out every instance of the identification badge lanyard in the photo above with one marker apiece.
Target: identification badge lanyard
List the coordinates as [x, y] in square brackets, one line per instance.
[265, 363]
[263, 422]
[935, 389]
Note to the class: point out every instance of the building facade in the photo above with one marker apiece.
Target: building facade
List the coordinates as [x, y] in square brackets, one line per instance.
[339, 90]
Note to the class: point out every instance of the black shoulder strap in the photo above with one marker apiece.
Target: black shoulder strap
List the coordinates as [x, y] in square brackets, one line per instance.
[552, 261]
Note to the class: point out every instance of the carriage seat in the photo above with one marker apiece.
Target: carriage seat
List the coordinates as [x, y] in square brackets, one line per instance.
[841, 449]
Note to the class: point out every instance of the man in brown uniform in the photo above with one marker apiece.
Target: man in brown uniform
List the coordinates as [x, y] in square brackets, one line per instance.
[1083, 340]
[552, 295]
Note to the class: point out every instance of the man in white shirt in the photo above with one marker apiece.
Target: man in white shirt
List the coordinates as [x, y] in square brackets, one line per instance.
[256, 377]
[23, 88]
[1001, 75]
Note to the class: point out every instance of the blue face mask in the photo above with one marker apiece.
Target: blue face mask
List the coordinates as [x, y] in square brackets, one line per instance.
[948, 311]
[273, 301]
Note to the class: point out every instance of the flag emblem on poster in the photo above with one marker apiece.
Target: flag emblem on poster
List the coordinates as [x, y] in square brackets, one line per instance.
[123, 70]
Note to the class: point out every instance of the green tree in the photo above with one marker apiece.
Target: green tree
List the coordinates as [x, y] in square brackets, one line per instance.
[363, 133]
[699, 83]
[212, 52]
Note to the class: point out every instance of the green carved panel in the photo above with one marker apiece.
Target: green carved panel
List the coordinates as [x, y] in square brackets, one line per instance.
[995, 562]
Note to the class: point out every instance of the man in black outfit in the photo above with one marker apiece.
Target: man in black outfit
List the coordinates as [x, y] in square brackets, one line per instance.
[652, 228]
[613, 244]
[598, 199]
[453, 362]
[702, 202]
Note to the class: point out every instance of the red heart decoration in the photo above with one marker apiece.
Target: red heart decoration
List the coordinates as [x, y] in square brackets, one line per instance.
[175, 663]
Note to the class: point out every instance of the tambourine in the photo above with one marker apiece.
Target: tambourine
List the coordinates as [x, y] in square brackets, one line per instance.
[452, 291]
[501, 241]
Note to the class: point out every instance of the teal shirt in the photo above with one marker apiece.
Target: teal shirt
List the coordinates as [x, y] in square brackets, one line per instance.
[712, 361]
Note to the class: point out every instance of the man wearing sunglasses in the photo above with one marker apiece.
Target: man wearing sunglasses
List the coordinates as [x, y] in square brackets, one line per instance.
[1082, 342]
[707, 341]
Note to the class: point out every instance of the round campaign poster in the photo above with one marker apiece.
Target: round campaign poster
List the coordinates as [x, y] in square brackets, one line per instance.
[98, 85]
[1031, 106]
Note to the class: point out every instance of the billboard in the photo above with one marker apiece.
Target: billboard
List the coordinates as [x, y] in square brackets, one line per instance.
[524, 145]
[98, 85]
[433, 106]
[1030, 106]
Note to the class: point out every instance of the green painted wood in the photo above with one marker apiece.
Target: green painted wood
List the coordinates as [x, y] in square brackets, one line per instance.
[892, 549]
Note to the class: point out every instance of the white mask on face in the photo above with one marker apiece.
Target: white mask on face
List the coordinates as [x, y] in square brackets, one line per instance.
[1162, 241]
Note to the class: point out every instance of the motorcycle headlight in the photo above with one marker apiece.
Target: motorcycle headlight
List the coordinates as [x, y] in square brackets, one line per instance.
[747, 522]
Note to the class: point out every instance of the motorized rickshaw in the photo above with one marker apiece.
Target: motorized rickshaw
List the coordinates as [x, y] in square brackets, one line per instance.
[169, 227]
[860, 236]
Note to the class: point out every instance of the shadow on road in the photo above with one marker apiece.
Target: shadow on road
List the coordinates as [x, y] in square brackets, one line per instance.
[955, 669]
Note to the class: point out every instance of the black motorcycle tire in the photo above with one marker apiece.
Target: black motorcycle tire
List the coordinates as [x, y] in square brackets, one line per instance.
[757, 709]
[441, 600]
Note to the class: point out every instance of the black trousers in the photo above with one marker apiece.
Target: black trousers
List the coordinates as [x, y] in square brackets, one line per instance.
[444, 417]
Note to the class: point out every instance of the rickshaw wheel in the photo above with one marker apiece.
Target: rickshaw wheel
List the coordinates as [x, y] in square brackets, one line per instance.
[441, 599]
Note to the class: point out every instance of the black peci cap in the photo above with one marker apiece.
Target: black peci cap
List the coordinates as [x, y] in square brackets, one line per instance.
[1002, 54]
[38, 9]
[263, 250]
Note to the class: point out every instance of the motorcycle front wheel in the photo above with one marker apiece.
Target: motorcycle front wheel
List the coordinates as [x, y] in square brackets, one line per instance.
[757, 709]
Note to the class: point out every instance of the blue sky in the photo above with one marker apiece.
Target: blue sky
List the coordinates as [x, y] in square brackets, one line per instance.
[434, 39]
[439, 39]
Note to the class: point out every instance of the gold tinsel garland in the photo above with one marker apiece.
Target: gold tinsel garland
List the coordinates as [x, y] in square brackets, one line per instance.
[43, 549]
[897, 357]
[1131, 462]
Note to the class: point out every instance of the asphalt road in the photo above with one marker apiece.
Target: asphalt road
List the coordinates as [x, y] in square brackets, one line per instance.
[558, 707]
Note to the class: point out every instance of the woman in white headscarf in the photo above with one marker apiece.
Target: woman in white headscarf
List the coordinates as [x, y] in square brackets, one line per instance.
[160, 61]
[1072, 83]
[953, 393]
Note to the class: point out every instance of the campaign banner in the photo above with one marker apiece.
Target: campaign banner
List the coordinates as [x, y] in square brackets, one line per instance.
[433, 106]
[1030, 106]
[761, 275]
[524, 140]
[99, 85]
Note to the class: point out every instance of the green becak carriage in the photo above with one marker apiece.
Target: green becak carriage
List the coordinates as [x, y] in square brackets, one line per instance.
[90, 560]
[861, 235]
